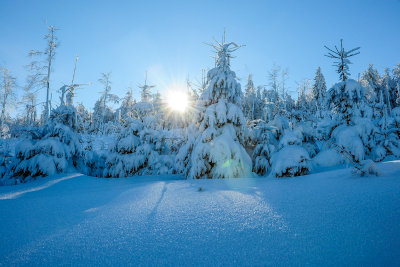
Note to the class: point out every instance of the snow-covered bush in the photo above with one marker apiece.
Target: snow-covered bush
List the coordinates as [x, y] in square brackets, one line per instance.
[122, 160]
[290, 137]
[51, 149]
[328, 158]
[280, 124]
[326, 125]
[309, 138]
[367, 167]
[348, 138]
[92, 162]
[111, 128]
[386, 141]
[139, 150]
[154, 148]
[292, 160]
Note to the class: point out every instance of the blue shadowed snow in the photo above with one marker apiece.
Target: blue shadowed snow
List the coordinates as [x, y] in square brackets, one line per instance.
[329, 218]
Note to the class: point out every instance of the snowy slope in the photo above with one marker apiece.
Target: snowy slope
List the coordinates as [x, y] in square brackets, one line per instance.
[328, 218]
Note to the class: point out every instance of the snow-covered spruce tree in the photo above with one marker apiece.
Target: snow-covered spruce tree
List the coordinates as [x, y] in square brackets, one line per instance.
[51, 149]
[345, 97]
[372, 82]
[342, 58]
[345, 100]
[269, 99]
[192, 91]
[290, 147]
[302, 106]
[145, 91]
[92, 160]
[285, 97]
[318, 93]
[309, 139]
[396, 81]
[250, 99]
[102, 113]
[85, 117]
[127, 105]
[260, 104]
[183, 157]
[396, 117]
[386, 140]
[122, 161]
[390, 89]
[398, 95]
[264, 149]
[353, 135]
[141, 148]
[273, 85]
[218, 151]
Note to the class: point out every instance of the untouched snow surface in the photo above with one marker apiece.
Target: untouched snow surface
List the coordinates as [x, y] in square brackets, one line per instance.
[328, 218]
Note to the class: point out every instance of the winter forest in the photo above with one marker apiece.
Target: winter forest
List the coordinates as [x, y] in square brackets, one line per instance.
[217, 129]
[199, 133]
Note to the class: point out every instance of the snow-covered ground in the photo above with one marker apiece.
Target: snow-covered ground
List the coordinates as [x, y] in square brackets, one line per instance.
[330, 218]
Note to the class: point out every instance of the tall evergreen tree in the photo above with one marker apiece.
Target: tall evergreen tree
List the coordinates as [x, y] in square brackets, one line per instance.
[127, 104]
[218, 152]
[318, 91]
[371, 81]
[250, 99]
[345, 98]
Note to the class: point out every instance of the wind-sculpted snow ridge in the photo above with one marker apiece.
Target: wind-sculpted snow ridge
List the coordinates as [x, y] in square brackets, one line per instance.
[329, 219]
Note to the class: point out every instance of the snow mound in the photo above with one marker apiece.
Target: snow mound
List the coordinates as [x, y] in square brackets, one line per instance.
[290, 161]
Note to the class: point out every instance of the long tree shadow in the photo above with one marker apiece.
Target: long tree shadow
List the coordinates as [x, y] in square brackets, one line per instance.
[153, 212]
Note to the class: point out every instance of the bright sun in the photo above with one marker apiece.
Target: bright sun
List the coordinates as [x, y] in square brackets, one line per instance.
[177, 100]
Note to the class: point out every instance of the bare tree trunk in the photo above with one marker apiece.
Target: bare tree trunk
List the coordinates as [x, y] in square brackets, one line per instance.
[51, 51]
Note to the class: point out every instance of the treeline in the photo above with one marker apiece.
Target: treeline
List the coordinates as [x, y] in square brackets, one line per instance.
[226, 132]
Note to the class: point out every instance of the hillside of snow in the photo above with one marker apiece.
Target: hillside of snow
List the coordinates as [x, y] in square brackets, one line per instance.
[330, 218]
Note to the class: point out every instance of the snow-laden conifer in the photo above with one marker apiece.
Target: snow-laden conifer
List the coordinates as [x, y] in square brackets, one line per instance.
[48, 150]
[318, 92]
[219, 151]
[264, 148]
[292, 159]
[342, 59]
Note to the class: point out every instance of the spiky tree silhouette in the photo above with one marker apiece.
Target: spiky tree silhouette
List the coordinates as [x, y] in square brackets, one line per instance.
[343, 59]
[145, 93]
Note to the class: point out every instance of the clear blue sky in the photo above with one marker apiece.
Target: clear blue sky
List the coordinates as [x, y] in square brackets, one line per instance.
[167, 38]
